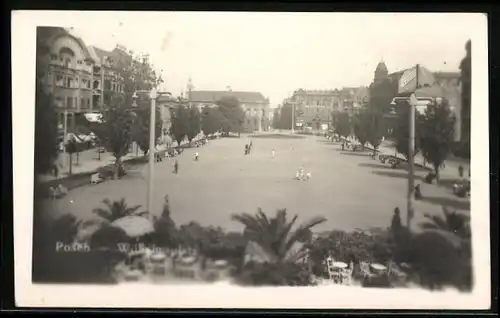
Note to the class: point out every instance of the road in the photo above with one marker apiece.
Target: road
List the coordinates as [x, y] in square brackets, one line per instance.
[349, 188]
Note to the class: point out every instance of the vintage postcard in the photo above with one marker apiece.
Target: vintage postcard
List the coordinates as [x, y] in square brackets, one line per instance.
[251, 159]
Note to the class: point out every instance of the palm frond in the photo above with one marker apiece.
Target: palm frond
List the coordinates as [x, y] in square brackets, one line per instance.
[302, 230]
[103, 213]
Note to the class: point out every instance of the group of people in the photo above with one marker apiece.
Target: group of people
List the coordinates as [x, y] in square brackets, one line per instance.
[248, 148]
[301, 175]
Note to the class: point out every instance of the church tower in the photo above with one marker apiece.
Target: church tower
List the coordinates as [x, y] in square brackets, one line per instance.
[381, 73]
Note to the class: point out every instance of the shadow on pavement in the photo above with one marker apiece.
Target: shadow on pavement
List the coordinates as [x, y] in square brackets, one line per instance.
[447, 183]
[452, 203]
[375, 165]
[387, 166]
[402, 174]
[358, 154]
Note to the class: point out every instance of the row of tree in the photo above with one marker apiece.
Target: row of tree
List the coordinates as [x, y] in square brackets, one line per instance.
[434, 130]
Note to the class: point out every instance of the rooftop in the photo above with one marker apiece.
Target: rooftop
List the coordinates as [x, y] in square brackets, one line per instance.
[213, 96]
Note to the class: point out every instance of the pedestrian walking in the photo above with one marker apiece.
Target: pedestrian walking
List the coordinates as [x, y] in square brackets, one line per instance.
[343, 146]
[246, 149]
[176, 166]
[272, 153]
[460, 171]
[196, 155]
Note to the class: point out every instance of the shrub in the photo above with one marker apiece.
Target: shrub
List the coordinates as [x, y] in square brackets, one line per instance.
[274, 274]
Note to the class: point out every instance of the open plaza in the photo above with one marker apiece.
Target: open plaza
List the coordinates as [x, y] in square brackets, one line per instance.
[348, 188]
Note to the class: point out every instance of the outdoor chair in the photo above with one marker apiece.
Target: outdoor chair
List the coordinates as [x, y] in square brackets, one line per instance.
[346, 274]
[95, 178]
[365, 270]
[333, 272]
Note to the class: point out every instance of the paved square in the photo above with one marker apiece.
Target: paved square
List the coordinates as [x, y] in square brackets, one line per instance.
[349, 189]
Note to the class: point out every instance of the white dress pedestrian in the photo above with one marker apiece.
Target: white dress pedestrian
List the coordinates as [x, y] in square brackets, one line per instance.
[272, 153]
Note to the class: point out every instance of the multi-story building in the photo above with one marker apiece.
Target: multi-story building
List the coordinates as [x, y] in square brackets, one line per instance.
[254, 105]
[106, 81]
[446, 85]
[80, 79]
[314, 108]
[68, 70]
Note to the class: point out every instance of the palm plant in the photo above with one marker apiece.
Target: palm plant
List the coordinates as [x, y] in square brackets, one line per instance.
[117, 209]
[450, 221]
[274, 235]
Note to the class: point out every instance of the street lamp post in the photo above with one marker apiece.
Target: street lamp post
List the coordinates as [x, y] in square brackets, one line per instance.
[151, 148]
[293, 117]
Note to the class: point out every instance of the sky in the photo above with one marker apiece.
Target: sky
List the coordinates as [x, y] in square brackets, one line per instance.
[276, 53]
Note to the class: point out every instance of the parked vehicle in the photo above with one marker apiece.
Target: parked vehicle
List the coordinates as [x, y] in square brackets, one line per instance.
[461, 188]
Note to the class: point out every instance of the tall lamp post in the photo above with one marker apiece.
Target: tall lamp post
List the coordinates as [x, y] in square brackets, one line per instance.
[153, 94]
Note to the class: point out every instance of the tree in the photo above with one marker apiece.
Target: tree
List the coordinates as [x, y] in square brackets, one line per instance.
[115, 134]
[135, 72]
[165, 230]
[402, 131]
[285, 117]
[276, 119]
[179, 118]
[275, 236]
[140, 128]
[438, 128]
[450, 221]
[376, 129]
[465, 79]
[342, 124]
[45, 132]
[194, 124]
[116, 210]
[360, 125]
[211, 120]
[381, 95]
[230, 108]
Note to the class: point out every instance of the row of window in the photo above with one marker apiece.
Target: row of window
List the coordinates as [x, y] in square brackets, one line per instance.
[72, 82]
[72, 102]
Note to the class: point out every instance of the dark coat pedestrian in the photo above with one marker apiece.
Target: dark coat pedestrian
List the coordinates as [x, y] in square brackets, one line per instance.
[176, 167]
[460, 171]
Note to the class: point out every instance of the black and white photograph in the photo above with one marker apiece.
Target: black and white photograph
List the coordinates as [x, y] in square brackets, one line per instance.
[278, 151]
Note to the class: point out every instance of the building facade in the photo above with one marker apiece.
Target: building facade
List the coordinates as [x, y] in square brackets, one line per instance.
[254, 105]
[314, 108]
[446, 85]
[81, 79]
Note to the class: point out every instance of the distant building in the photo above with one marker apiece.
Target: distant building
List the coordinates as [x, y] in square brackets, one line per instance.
[254, 104]
[314, 108]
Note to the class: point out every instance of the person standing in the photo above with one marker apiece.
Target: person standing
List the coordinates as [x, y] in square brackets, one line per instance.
[396, 222]
[272, 153]
[196, 155]
[176, 166]
[460, 171]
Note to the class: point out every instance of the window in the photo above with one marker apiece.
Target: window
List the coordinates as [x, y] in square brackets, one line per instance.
[79, 62]
[59, 81]
[69, 82]
[67, 63]
[88, 102]
[88, 84]
[69, 102]
[82, 102]
[76, 101]
[53, 57]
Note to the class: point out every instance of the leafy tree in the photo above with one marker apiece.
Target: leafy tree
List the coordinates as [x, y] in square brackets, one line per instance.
[275, 236]
[438, 128]
[402, 131]
[140, 128]
[45, 132]
[342, 124]
[276, 119]
[381, 95]
[465, 79]
[115, 134]
[360, 122]
[116, 210]
[451, 221]
[230, 108]
[179, 127]
[375, 129]
[211, 120]
[165, 230]
[135, 72]
[194, 123]
[285, 117]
